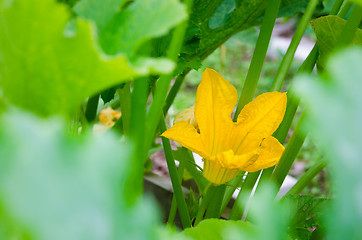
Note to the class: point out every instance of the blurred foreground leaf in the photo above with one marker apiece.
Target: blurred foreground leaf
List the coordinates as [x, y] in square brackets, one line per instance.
[334, 104]
[57, 187]
[49, 65]
[216, 229]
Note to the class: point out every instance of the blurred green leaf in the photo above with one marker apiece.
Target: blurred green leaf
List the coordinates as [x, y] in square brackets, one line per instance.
[216, 229]
[59, 187]
[49, 65]
[125, 31]
[327, 30]
[334, 104]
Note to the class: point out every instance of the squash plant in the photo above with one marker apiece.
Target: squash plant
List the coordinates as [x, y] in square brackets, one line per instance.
[61, 180]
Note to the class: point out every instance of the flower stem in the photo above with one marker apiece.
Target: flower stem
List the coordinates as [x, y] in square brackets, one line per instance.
[244, 194]
[176, 184]
[289, 55]
[211, 190]
[307, 177]
[237, 182]
[213, 209]
[257, 60]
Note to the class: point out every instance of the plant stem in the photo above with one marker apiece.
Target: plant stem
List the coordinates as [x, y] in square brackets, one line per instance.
[134, 186]
[176, 185]
[351, 26]
[162, 85]
[244, 194]
[294, 144]
[204, 203]
[238, 181]
[213, 209]
[345, 9]
[307, 177]
[293, 100]
[174, 90]
[173, 209]
[91, 108]
[257, 60]
[125, 103]
[337, 5]
[289, 55]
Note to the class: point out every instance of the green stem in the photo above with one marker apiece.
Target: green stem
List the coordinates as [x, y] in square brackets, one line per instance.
[294, 144]
[176, 184]
[125, 103]
[337, 5]
[289, 55]
[174, 90]
[211, 190]
[257, 60]
[350, 27]
[162, 85]
[91, 109]
[293, 100]
[134, 186]
[244, 194]
[234, 184]
[213, 209]
[173, 209]
[307, 177]
[345, 9]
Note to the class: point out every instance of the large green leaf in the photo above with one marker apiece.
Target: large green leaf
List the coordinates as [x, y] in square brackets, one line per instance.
[125, 31]
[334, 104]
[57, 187]
[328, 30]
[50, 65]
[212, 22]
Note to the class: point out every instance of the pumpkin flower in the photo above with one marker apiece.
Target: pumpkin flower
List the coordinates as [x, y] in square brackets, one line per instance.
[229, 147]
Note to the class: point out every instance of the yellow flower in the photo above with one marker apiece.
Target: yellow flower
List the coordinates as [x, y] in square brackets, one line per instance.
[229, 147]
[108, 117]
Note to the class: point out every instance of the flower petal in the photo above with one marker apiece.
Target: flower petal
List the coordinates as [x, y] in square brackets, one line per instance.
[215, 101]
[217, 174]
[270, 152]
[187, 136]
[258, 120]
[229, 160]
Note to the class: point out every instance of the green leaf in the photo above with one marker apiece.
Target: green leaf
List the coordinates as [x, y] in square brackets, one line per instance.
[59, 187]
[306, 214]
[212, 22]
[125, 31]
[49, 65]
[327, 30]
[334, 104]
[215, 229]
